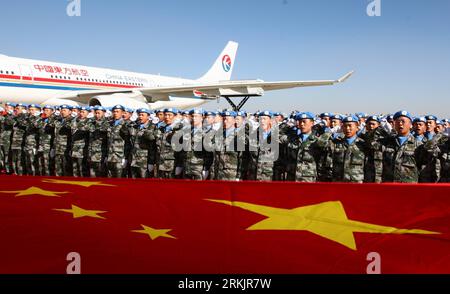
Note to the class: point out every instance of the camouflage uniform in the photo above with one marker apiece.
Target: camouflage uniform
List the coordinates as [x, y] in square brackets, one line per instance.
[444, 159]
[17, 144]
[346, 162]
[198, 159]
[127, 170]
[374, 161]
[400, 163]
[80, 146]
[228, 155]
[259, 158]
[5, 141]
[141, 138]
[303, 157]
[279, 166]
[32, 144]
[167, 157]
[63, 139]
[46, 156]
[118, 135]
[98, 147]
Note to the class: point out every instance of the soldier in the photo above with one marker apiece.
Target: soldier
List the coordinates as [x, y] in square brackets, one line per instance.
[198, 157]
[98, 143]
[6, 136]
[46, 151]
[431, 126]
[141, 137]
[127, 172]
[440, 128]
[118, 135]
[168, 159]
[326, 118]
[17, 144]
[160, 116]
[346, 156]
[401, 155]
[444, 159]
[228, 150]
[420, 128]
[80, 143]
[31, 142]
[62, 141]
[304, 150]
[373, 166]
[263, 149]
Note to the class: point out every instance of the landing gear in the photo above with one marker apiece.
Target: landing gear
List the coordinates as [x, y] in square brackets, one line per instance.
[240, 105]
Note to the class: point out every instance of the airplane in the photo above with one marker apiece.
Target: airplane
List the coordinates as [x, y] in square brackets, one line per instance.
[51, 83]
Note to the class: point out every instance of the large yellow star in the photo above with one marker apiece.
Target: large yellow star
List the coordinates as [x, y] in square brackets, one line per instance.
[154, 233]
[35, 191]
[86, 184]
[327, 219]
[78, 212]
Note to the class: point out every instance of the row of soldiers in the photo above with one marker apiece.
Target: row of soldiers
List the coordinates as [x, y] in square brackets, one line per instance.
[87, 142]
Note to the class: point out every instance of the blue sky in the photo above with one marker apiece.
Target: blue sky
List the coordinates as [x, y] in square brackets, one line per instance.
[401, 59]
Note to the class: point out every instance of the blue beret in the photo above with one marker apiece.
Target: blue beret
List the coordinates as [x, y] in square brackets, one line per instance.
[336, 116]
[374, 118]
[431, 117]
[76, 107]
[439, 122]
[266, 113]
[20, 105]
[403, 113]
[49, 107]
[351, 118]
[305, 115]
[325, 114]
[10, 104]
[159, 111]
[277, 114]
[85, 108]
[196, 111]
[241, 114]
[171, 110]
[420, 119]
[390, 117]
[144, 110]
[99, 107]
[210, 113]
[65, 106]
[445, 120]
[229, 113]
[130, 110]
[118, 107]
[34, 106]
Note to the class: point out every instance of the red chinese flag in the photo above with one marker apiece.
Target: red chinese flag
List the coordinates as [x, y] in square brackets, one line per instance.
[187, 227]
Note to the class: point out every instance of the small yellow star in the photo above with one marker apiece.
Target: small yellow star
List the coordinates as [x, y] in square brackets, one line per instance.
[86, 184]
[35, 191]
[79, 212]
[154, 233]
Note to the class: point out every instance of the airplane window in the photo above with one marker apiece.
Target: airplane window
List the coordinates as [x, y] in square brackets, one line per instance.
[12, 72]
[7, 72]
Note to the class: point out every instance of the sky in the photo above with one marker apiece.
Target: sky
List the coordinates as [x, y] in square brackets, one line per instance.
[401, 58]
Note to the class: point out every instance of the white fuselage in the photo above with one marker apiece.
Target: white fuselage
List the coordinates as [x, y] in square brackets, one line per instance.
[36, 81]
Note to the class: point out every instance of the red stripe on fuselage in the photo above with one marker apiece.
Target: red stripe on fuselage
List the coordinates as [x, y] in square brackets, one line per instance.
[65, 82]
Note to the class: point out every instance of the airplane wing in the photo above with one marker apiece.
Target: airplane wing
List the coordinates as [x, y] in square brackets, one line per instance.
[205, 90]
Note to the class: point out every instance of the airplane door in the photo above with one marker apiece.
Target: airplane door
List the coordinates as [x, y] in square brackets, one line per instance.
[26, 72]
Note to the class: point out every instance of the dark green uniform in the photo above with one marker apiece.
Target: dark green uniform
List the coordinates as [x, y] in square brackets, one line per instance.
[227, 155]
[46, 150]
[17, 144]
[141, 138]
[80, 147]
[98, 147]
[118, 135]
[31, 144]
[345, 162]
[63, 141]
